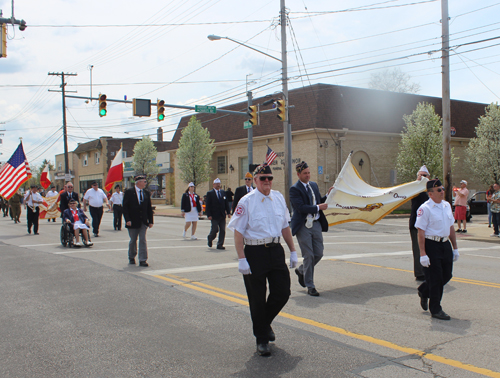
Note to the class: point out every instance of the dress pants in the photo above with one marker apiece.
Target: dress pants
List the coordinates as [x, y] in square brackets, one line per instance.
[96, 213]
[495, 217]
[437, 274]
[218, 225]
[417, 267]
[311, 245]
[117, 216]
[32, 217]
[267, 264]
[143, 245]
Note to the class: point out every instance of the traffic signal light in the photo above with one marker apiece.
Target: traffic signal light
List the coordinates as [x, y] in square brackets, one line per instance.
[252, 115]
[280, 105]
[160, 110]
[102, 105]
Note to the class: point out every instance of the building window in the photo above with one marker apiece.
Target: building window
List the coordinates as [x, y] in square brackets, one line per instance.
[59, 166]
[85, 160]
[243, 167]
[221, 164]
[97, 157]
[124, 154]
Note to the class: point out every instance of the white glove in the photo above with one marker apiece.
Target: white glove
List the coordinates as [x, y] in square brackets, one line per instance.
[243, 266]
[294, 261]
[424, 261]
[456, 255]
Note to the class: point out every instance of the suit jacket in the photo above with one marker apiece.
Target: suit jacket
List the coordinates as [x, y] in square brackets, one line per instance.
[300, 204]
[134, 212]
[238, 194]
[186, 203]
[67, 214]
[215, 208]
[64, 200]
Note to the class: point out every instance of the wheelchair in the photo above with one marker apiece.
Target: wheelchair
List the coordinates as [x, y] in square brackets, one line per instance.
[67, 236]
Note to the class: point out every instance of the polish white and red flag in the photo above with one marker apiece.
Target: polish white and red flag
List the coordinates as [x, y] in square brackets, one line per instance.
[45, 180]
[115, 173]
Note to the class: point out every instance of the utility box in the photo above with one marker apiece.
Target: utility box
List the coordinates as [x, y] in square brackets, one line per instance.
[141, 107]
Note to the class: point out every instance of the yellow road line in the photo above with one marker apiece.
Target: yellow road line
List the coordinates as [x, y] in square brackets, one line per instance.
[234, 297]
[455, 279]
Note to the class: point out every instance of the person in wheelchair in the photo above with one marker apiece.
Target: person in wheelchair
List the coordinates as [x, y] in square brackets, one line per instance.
[79, 221]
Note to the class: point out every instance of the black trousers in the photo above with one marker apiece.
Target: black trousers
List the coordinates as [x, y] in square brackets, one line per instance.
[117, 217]
[495, 217]
[32, 217]
[96, 213]
[218, 225]
[268, 266]
[437, 274]
[417, 267]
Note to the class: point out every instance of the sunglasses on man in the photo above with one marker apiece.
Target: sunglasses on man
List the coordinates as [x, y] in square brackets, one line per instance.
[248, 179]
[263, 178]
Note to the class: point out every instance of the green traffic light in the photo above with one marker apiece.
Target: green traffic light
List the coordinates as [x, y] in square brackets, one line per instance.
[102, 112]
[161, 117]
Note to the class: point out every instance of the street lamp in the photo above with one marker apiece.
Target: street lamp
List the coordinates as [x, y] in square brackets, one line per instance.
[287, 130]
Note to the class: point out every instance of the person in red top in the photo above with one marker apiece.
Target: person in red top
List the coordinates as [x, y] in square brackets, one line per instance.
[461, 196]
[190, 207]
[77, 218]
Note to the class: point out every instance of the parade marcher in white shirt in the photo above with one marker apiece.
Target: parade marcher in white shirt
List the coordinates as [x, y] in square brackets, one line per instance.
[116, 201]
[95, 197]
[52, 193]
[435, 231]
[259, 221]
[32, 200]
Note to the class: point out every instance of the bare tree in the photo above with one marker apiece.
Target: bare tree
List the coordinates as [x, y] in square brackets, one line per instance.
[393, 80]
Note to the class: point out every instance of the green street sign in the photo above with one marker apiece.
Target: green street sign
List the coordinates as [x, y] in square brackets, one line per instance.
[247, 125]
[205, 109]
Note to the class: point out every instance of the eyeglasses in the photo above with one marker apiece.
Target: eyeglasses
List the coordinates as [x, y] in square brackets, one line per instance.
[248, 179]
[439, 190]
[425, 175]
[263, 178]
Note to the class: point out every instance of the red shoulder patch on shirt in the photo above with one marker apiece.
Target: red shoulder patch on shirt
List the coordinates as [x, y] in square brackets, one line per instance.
[420, 212]
[240, 210]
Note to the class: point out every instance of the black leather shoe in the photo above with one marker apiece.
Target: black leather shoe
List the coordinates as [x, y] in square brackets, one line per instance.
[131, 261]
[271, 334]
[301, 278]
[312, 292]
[143, 263]
[209, 243]
[221, 247]
[420, 278]
[263, 349]
[96, 235]
[424, 302]
[441, 315]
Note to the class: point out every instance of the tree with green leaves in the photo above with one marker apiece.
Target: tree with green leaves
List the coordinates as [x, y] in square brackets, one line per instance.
[421, 144]
[144, 162]
[195, 153]
[483, 151]
[393, 80]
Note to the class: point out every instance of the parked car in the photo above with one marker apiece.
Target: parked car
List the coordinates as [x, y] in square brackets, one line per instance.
[478, 204]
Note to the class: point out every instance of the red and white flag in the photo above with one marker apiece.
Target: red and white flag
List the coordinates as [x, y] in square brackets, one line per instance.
[14, 173]
[45, 177]
[115, 173]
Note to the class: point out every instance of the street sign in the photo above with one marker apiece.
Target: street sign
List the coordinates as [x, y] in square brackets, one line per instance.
[320, 170]
[141, 107]
[205, 109]
[247, 125]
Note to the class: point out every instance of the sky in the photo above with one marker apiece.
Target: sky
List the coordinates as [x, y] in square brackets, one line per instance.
[159, 50]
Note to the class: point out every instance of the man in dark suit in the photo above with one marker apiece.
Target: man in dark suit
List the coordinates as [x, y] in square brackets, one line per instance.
[217, 207]
[66, 196]
[242, 190]
[308, 223]
[138, 214]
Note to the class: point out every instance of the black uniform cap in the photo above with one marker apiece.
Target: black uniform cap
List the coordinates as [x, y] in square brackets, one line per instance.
[434, 184]
[301, 166]
[263, 169]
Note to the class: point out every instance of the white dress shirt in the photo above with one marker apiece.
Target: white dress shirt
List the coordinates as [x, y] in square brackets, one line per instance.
[315, 216]
[435, 218]
[51, 193]
[117, 198]
[96, 198]
[28, 200]
[258, 216]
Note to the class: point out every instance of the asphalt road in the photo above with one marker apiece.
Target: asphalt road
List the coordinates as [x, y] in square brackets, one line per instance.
[87, 313]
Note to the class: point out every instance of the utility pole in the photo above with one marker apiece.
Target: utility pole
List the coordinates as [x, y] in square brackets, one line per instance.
[65, 133]
[287, 129]
[250, 134]
[446, 101]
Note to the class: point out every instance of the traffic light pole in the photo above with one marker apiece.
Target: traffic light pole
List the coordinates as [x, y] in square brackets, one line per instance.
[287, 129]
[446, 101]
[65, 133]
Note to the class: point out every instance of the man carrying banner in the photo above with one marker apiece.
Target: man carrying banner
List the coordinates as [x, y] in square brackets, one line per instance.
[308, 223]
[32, 201]
[435, 231]
[416, 202]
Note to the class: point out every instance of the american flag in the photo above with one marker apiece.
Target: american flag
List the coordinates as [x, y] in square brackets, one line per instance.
[14, 173]
[270, 156]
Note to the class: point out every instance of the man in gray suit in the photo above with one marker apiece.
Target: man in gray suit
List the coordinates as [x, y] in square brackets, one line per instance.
[138, 214]
[308, 222]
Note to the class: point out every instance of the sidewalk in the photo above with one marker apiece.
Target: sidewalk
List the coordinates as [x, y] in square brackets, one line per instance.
[477, 230]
